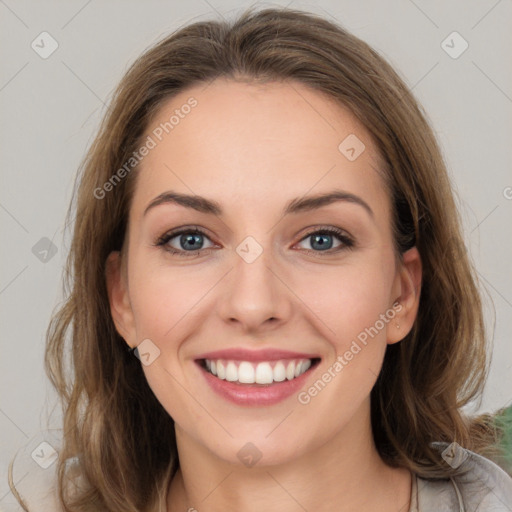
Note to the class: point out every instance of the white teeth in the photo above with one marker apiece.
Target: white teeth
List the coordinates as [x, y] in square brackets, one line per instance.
[221, 371]
[246, 373]
[259, 373]
[290, 370]
[264, 374]
[231, 372]
[279, 372]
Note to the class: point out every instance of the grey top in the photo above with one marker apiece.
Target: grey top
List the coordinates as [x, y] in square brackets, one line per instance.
[485, 487]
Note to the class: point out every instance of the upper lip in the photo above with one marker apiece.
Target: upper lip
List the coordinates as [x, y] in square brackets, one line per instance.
[268, 354]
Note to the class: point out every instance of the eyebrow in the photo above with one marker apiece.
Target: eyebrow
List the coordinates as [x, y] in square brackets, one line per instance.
[298, 205]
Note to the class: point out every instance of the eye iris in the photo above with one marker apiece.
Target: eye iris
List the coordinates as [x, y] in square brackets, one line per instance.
[320, 239]
[187, 241]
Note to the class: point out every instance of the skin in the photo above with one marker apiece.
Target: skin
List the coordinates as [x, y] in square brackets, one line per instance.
[253, 148]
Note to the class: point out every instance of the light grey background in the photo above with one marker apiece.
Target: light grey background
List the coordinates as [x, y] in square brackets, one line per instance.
[51, 109]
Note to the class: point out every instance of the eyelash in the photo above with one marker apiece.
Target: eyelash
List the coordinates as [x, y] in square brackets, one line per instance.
[347, 241]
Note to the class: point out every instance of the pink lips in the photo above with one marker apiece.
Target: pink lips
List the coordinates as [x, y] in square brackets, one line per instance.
[269, 354]
[254, 394]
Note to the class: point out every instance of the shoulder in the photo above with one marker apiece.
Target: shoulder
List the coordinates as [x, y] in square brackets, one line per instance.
[482, 485]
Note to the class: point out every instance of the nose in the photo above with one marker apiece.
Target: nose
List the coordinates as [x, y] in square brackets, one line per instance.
[256, 298]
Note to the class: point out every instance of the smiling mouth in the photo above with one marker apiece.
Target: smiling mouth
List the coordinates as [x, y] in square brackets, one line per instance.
[262, 373]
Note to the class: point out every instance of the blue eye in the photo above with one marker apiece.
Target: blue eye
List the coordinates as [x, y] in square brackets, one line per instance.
[323, 240]
[190, 241]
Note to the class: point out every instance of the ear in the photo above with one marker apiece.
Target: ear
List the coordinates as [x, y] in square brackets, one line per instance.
[120, 307]
[407, 289]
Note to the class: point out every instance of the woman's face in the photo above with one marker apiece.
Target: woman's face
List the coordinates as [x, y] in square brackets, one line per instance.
[277, 287]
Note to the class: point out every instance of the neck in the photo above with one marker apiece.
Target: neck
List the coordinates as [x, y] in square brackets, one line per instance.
[344, 474]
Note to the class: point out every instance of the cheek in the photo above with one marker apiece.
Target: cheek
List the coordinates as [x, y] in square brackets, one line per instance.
[167, 302]
[348, 299]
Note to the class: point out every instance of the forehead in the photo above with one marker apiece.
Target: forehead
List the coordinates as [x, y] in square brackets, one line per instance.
[257, 144]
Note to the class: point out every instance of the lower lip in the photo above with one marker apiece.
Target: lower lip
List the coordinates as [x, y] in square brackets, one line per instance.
[255, 394]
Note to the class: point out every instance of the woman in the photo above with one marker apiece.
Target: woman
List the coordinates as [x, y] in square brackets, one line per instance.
[270, 305]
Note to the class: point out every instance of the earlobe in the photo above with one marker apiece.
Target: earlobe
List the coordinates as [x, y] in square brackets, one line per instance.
[409, 285]
[120, 307]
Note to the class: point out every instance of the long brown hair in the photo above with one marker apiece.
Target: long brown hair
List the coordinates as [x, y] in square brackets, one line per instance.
[113, 423]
